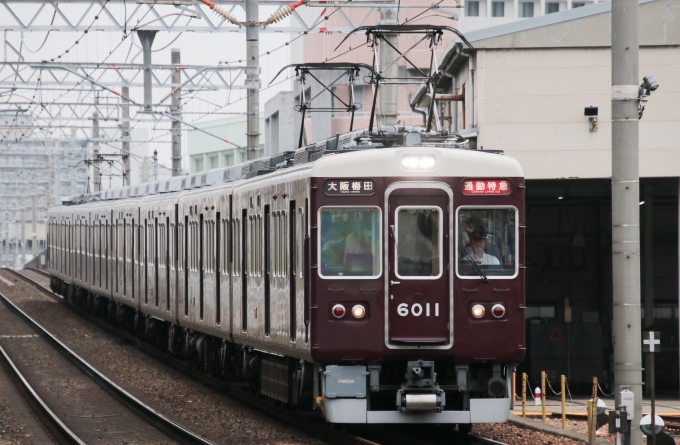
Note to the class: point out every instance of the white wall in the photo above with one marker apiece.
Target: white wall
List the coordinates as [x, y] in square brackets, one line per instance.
[530, 103]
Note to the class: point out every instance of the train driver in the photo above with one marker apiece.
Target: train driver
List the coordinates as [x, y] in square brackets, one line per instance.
[476, 249]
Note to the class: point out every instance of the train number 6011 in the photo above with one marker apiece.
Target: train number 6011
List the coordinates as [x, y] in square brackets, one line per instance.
[417, 309]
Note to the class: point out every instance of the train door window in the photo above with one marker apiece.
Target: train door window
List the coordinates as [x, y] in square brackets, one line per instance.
[223, 246]
[106, 266]
[267, 239]
[236, 246]
[186, 265]
[300, 241]
[284, 244]
[487, 242]
[126, 230]
[156, 254]
[201, 248]
[93, 246]
[146, 261]
[166, 254]
[244, 281]
[218, 265]
[350, 242]
[419, 242]
[292, 261]
[116, 243]
[132, 257]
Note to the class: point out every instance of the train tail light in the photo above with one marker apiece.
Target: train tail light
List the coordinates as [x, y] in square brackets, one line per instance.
[359, 311]
[498, 310]
[338, 311]
[478, 311]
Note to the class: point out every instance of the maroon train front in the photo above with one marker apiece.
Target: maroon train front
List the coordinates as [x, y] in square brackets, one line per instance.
[380, 285]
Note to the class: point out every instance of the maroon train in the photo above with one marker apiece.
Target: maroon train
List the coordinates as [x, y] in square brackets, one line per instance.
[380, 283]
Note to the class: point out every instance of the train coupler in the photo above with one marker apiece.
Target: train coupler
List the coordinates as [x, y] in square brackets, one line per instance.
[421, 392]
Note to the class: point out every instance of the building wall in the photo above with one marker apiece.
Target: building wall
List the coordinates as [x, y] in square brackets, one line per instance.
[206, 152]
[530, 103]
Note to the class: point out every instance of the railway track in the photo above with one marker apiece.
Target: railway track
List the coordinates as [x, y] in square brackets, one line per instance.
[158, 428]
[308, 422]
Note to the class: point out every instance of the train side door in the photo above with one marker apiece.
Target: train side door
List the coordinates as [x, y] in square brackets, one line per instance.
[419, 297]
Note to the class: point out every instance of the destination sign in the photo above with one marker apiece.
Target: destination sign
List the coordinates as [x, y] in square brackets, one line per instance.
[349, 187]
[486, 187]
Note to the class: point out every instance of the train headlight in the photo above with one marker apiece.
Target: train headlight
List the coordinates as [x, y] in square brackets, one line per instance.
[478, 311]
[498, 310]
[419, 162]
[338, 311]
[358, 311]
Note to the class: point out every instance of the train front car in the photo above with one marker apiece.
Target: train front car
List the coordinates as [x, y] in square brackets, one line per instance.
[417, 285]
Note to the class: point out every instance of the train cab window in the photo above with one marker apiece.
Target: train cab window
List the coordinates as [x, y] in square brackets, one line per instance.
[419, 242]
[486, 243]
[349, 242]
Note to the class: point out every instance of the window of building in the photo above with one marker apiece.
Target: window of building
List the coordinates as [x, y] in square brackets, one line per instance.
[472, 9]
[526, 9]
[214, 162]
[552, 7]
[498, 9]
[545, 312]
[577, 5]
[358, 95]
[198, 164]
[229, 160]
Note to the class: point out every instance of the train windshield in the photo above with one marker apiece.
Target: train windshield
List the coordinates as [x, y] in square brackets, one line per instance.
[349, 242]
[487, 242]
[419, 242]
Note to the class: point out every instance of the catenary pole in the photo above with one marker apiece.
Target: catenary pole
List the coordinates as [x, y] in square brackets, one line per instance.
[389, 95]
[125, 127]
[146, 39]
[34, 239]
[176, 110]
[625, 206]
[95, 151]
[253, 77]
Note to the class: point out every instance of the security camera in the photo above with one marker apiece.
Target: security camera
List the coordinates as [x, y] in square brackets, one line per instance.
[650, 83]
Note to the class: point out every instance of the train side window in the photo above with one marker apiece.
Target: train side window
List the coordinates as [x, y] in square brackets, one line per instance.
[350, 242]
[487, 242]
[299, 254]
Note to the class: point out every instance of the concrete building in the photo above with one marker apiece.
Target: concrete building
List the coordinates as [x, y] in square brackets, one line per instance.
[525, 88]
[280, 124]
[208, 151]
[480, 14]
[34, 170]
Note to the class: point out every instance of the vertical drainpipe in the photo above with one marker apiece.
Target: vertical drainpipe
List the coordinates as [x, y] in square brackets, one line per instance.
[471, 69]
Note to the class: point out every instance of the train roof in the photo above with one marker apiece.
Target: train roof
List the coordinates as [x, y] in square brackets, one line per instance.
[326, 150]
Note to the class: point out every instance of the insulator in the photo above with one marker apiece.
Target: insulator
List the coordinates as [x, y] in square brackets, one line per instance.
[280, 14]
[228, 17]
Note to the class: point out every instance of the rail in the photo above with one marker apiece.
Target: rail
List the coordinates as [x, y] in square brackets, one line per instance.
[149, 415]
[44, 414]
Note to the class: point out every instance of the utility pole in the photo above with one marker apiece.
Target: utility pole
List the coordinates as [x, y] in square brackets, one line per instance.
[2, 243]
[34, 240]
[95, 152]
[23, 237]
[253, 77]
[125, 128]
[155, 165]
[625, 207]
[146, 39]
[389, 95]
[176, 111]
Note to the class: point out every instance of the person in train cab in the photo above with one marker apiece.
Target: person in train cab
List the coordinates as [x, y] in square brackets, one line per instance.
[476, 249]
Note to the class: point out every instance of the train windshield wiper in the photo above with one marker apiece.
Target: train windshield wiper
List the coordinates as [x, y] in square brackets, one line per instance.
[474, 265]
